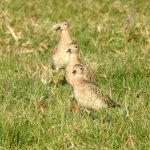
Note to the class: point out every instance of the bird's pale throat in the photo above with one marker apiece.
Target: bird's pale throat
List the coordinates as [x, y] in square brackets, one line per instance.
[65, 37]
[74, 58]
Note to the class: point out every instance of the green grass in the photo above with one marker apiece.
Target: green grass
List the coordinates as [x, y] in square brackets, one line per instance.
[114, 39]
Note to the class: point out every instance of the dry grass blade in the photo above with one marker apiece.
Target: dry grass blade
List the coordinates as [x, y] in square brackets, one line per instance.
[12, 32]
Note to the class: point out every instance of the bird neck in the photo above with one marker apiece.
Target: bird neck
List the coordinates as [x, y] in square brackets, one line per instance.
[65, 37]
[74, 58]
[77, 81]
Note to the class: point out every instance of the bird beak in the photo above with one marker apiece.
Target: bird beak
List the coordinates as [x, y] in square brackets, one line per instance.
[74, 72]
[68, 51]
[58, 28]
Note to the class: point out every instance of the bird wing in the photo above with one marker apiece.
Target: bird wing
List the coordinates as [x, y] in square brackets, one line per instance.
[96, 92]
[88, 71]
[93, 88]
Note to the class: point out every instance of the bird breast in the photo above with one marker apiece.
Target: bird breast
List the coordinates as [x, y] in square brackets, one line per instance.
[87, 98]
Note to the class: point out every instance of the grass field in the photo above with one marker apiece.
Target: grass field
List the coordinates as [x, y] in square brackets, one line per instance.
[114, 38]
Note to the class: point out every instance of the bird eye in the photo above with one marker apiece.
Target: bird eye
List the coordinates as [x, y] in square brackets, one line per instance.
[76, 46]
[81, 68]
[65, 24]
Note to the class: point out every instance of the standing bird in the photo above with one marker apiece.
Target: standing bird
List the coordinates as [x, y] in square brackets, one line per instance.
[74, 58]
[59, 56]
[87, 93]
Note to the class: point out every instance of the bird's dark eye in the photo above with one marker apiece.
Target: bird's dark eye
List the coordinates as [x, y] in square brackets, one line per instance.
[81, 68]
[76, 46]
[65, 24]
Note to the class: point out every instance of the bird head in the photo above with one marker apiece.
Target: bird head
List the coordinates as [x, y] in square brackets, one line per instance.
[78, 70]
[62, 26]
[73, 48]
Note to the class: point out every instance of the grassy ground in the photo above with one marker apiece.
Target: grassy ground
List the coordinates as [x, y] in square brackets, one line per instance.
[114, 37]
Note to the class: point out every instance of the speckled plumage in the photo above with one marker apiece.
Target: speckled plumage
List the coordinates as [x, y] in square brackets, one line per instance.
[88, 94]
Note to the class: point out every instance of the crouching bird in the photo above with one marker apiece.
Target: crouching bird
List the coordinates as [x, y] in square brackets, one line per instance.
[89, 94]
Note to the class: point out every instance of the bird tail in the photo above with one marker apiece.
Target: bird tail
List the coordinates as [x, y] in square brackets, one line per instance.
[114, 104]
[110, 102]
